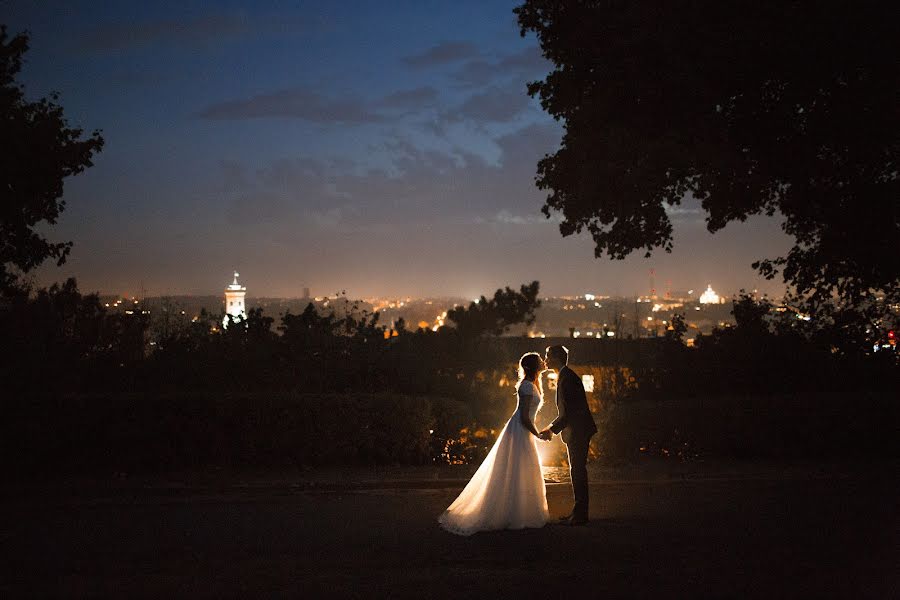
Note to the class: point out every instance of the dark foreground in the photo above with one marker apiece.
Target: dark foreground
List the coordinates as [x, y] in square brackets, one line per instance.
[800, 533]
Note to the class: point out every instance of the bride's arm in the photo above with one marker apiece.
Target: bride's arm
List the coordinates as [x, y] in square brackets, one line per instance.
[525, 401]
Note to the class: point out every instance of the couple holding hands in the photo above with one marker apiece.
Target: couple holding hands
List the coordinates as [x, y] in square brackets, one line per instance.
[507, 491]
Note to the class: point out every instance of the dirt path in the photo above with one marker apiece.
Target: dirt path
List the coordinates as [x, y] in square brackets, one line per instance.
[760, 537]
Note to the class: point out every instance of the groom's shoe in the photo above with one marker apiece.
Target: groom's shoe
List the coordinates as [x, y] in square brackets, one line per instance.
[576, 520]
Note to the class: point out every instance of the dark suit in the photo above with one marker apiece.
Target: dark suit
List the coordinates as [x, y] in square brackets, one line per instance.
[577, 426]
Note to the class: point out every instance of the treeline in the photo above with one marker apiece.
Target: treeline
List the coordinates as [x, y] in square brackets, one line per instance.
[87, 388]
[62, 341]
[770, 349]
[152, 432]
[776, 384]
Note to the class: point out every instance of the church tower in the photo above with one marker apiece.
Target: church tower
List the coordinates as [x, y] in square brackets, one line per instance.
[234, 301]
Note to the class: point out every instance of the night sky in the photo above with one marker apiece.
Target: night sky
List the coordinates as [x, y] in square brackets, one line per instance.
[329, 145]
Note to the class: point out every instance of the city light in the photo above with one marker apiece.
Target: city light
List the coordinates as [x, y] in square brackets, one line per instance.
[709, 296]
[551, 380]
[588, 382]
[584, 319]
[234, 301]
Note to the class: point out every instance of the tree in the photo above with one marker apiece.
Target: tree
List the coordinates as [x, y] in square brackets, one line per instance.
[497, 315]
[751, 314]
[60, 331]
[676, 330]
[752, 108]
[40, 150]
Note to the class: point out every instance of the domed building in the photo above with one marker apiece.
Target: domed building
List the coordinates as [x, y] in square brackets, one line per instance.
[709, 296]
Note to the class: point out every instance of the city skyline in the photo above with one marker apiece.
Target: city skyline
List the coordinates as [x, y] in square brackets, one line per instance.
[336, 147]
[662, 293]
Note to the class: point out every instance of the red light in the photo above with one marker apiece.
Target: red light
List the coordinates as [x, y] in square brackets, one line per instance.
[891, 334]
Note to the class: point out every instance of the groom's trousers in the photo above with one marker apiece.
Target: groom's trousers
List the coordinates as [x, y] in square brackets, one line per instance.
[577, 448]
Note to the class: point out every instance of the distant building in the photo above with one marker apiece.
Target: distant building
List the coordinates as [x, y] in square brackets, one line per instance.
[709, 296]
[234, 301]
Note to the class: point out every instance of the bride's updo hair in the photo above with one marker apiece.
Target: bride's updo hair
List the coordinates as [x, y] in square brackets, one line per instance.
[530, 366]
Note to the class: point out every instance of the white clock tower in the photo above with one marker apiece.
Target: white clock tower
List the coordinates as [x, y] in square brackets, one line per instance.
[234, 301]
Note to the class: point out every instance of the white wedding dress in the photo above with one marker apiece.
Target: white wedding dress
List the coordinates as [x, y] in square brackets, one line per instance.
[507, 491]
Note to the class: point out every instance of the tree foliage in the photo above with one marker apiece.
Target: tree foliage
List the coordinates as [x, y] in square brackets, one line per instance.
[786, 108]
[88, 388]
[676, 330]
[40, 150]
[58, 338]
[495, 316]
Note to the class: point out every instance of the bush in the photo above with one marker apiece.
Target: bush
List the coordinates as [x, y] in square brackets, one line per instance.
[144, 432]
[751, 426]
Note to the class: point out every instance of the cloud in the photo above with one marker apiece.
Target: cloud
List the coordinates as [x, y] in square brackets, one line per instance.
[524, 65]
[297, 103]
[506, 217]
[260, 206]
[476, 73]
[423, 187]
[689, 211]
[305, 104]
[194, 32]
[529, 60]
[678, 210]
[497, 104]
[421, 97]
[522, 149]
[443, 53]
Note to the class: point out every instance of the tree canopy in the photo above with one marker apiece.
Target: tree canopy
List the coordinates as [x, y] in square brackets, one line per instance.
[789, 108]
[495, 316]
[40, 150]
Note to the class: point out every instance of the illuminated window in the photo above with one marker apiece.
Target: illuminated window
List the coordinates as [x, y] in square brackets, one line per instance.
[551, 381]
[588, 382]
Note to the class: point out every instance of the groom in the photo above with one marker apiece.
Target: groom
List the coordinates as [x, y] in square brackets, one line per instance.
[577, 426]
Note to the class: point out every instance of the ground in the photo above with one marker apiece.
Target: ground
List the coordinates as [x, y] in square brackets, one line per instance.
[757, 531]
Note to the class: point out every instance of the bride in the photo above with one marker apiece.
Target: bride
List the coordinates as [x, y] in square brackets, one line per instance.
[507, 491]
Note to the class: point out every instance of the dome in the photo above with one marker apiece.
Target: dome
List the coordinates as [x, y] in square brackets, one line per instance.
[709, 296]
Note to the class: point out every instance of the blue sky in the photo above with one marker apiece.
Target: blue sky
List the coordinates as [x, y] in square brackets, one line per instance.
[382, 148]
